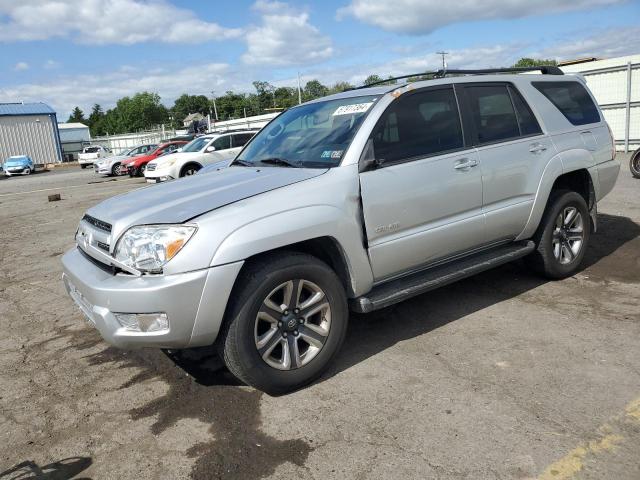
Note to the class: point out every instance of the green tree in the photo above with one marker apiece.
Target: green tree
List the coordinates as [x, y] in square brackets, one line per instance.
[371, 79]
[341, 87]
[77, 115]
[314, 89]
[96, 121]
[186, 104]
[534, 62]
[265, 95]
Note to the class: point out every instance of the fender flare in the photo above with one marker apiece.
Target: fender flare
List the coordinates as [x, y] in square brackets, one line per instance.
[298, 225]
[558, 165]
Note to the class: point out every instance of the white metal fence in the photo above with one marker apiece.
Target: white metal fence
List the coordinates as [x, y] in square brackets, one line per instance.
[616, 85]
[121, 143]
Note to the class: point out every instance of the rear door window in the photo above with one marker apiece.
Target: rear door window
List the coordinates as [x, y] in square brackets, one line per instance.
[527, 121]
[492, 112]
[418, 125]
[572, 99]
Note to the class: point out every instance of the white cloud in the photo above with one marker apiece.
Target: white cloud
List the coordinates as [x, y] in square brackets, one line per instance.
[106, 22]
[425, 16]
[604, 43]
[65, 92]
[285, 37]
[21, 66]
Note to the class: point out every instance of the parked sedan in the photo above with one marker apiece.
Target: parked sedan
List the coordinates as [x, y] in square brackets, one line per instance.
[137, 165]
[113, 165]
[18, 165]
[200, 152]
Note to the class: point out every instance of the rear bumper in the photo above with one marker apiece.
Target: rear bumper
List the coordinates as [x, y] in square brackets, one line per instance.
[194, 302]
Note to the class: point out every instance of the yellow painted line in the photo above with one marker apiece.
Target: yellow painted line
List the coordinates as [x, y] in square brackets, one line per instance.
[573, 462]
[570, 464]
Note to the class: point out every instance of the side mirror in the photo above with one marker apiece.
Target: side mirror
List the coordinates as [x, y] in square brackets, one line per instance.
[179, 149]
[210, 149]
[368, 160]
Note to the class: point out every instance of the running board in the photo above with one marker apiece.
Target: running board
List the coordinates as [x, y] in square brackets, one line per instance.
[418, 283]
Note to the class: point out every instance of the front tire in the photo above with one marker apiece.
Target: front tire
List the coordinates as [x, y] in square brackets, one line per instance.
[562, 237]
[83, 166]
[287, 320]
[116, 170]
[189, 169]
[634, 164]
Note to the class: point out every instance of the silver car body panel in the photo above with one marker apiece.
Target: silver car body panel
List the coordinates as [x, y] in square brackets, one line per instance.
[386, 222]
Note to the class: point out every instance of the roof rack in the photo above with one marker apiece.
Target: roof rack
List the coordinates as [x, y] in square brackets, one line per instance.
[544, 69]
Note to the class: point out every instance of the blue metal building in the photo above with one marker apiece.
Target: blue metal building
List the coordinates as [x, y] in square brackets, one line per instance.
[29, 129]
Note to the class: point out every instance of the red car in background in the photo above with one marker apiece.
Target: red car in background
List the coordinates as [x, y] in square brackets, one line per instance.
[136, 166]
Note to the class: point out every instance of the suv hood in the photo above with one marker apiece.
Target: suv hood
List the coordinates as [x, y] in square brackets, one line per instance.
[183, 199]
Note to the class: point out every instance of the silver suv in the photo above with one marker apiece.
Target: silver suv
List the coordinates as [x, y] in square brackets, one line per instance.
[354, 201]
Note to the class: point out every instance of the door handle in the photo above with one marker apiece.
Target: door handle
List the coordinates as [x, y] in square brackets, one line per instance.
[537, 148]
[465, 164]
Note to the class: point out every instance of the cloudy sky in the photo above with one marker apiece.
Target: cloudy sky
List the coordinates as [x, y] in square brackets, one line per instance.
[80, 52]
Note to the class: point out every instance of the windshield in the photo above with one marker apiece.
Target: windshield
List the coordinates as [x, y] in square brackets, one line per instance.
[314, 135]
[91, 149]
[196, 144]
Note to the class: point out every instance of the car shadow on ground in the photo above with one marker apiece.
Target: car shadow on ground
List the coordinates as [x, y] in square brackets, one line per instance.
[61, 470]
[613, 253]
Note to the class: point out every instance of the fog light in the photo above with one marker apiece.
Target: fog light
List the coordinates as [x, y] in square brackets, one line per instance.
[143, 322]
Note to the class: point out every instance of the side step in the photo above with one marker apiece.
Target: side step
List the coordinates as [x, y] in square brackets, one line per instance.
[418, 283]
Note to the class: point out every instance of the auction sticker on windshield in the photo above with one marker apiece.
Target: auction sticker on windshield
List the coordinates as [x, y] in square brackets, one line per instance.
[353, 108]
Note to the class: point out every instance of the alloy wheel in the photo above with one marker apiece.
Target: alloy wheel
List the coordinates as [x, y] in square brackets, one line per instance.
[292, 324]
[568, 235]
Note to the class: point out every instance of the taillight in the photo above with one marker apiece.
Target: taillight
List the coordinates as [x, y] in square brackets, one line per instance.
[613, 143]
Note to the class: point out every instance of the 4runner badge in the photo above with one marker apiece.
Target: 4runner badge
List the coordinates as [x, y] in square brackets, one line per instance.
[387, 228]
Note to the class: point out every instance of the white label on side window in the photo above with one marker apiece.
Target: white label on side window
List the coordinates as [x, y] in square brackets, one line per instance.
[354, 108]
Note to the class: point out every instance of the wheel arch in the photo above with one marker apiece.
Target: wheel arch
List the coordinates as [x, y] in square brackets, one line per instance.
[554, 178]
[184, 167]
[318, 230]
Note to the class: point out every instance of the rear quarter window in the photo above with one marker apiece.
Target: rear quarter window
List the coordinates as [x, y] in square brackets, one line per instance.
[572, 99]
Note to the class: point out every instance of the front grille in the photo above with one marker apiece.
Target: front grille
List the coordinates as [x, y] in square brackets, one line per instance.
[99, 224]
[151, 167]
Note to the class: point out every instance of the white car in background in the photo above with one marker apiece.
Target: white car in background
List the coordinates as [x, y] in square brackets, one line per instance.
[111, 165]
[201, 151]
[92, 154]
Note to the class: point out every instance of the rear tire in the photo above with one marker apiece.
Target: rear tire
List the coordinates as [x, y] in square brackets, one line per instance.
[116, 170]
[562, 237]
[83, 166]
[634, 163]
[263, 340]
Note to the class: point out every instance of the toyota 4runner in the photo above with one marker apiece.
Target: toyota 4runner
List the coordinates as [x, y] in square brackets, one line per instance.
[354, 201]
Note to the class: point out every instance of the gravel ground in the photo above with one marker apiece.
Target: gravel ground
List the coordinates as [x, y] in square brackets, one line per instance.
[500, 376]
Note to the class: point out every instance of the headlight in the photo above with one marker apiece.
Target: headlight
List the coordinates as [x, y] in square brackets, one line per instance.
[168, 163]
[148, 248]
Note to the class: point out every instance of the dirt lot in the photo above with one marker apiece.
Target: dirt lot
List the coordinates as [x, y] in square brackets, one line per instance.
[503, 375]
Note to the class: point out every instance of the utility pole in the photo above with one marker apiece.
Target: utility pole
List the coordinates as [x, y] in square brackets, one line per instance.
[443, 53]
[299, 90]
[215, 109]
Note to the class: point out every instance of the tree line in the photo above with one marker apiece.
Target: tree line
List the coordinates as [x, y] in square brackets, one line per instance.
[145, 110]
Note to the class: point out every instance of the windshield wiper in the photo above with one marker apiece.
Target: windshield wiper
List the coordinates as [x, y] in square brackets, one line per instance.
[243, 163]
[279, 161]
